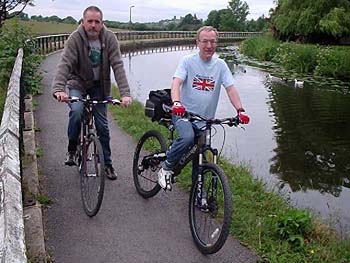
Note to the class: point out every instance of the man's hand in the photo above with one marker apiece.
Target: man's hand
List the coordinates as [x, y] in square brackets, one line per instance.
[243, 117]
[61, 96]
[178, 109]
[126, 101]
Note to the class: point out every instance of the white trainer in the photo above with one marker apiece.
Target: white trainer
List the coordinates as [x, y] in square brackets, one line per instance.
[164, 178]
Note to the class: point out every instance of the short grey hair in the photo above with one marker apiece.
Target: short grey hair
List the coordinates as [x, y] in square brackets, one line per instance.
[93, 9]
[207, 29]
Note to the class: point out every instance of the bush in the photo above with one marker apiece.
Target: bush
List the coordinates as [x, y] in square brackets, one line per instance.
[13, 37]
[334, 62]
[262, 48]
[294, 226]
[298, 57]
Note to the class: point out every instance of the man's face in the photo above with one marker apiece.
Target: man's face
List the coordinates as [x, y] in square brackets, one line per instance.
[207, 42]
[92, 24]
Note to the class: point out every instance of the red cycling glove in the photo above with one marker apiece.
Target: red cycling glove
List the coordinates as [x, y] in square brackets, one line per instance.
[178, 109]
[243, 118]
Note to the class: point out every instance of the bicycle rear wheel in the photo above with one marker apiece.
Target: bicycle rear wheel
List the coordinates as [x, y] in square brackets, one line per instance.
[146, 165]
[92, 176]
[210, 210]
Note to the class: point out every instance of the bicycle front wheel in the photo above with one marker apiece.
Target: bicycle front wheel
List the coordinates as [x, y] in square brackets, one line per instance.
[92, 176]
[210, 209]
[146, 164]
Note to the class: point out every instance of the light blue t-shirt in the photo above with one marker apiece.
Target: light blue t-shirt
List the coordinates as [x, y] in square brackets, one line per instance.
[202, 83]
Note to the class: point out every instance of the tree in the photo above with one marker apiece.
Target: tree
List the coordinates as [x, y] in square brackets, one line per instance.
[311, 21]
[189, 23]
[235, 20]
[259, 25]
[213, 19]
[6, 6]
[69, 20]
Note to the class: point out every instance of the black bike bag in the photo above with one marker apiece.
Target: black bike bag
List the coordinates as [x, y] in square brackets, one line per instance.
[154, 108]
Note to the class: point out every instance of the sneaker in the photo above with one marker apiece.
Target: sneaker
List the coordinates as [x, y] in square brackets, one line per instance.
[70, 159]
[164, 179]
[110, 172]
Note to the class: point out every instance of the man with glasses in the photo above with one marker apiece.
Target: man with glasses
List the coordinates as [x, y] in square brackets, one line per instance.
[85, 68]
[196, 88]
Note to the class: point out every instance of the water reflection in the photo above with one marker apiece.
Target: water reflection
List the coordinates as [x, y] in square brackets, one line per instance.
[312, 132]
[299, 139]
[157, 50]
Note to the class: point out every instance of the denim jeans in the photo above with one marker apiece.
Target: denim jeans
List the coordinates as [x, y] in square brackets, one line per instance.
[187, 131]
[101, 122]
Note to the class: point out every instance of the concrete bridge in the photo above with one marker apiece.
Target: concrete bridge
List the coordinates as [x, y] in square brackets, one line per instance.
[124, 218]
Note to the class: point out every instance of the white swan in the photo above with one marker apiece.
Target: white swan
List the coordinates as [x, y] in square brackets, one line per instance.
[298, 83]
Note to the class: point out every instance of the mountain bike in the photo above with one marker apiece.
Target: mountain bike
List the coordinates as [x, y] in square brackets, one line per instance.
[90, 158]
[210, 202]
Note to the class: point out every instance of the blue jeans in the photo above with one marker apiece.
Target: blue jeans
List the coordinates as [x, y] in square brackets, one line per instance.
[101, 122]
[187, 131]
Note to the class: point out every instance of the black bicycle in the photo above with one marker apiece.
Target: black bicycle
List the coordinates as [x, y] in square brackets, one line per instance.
[89, 157]
[210, 203]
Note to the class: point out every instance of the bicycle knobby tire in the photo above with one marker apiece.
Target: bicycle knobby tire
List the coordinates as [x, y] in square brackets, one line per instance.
[92, 176]
[145, 170]
[210, 223]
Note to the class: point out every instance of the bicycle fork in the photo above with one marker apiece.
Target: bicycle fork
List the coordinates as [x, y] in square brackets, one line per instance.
[202, 195]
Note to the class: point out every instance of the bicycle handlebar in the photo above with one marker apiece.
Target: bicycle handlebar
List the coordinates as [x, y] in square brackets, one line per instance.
[232, 121]
[91, 101]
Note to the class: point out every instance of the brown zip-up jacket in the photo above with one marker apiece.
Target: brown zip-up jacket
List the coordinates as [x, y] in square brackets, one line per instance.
[75, 70]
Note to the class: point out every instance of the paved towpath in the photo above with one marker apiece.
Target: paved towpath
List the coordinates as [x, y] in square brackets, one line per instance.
[128, 228]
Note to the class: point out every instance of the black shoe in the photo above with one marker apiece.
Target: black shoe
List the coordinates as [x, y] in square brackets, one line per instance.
[110, 172]
[70, 159]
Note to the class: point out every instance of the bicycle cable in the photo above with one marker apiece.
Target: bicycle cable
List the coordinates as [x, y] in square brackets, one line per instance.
[223, 141]
[224, 138]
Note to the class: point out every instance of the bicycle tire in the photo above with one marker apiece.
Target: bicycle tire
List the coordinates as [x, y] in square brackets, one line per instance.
[210, 226]
[92, 176]
[146, 176]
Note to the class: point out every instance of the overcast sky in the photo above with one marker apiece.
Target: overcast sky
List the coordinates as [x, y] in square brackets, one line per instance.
[143, 10]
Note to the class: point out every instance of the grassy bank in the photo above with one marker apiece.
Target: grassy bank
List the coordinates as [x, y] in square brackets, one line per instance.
[48, 28]
[262, 220]
[324, 61]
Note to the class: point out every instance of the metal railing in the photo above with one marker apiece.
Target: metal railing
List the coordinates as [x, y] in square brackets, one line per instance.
[51, 43]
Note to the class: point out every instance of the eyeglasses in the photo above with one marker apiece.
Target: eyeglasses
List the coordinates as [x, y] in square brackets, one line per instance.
[206, 42]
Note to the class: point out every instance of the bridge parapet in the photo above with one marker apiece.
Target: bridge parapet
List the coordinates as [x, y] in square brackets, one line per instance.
[51, 43]
[12, 243]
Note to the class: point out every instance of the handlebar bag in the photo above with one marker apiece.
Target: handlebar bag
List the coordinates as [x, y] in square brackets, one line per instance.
[154, 104]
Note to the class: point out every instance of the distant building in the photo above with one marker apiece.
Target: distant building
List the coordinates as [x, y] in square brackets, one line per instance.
[175, 20]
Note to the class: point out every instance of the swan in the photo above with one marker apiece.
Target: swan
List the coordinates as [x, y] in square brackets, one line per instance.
[298, 83]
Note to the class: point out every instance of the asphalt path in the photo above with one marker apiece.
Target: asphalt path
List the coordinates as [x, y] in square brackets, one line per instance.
[128, 228]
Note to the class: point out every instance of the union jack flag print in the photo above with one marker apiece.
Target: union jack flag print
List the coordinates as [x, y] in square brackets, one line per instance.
[205, 84]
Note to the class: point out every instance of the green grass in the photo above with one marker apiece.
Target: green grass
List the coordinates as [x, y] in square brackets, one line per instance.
[3, 94]
[44, 199]
[50, 28]
[262, 220]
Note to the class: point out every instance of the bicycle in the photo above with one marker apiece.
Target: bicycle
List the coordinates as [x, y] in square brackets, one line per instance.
[89, 157]
[210, 202]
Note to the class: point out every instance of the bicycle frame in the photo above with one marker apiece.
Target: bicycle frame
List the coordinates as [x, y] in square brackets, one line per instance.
[201, 145]
[87, 125]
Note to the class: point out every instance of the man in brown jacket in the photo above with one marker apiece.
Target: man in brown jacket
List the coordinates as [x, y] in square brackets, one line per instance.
[89, 54]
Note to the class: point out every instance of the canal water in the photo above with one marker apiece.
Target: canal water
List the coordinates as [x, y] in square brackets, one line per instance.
[298, 141]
